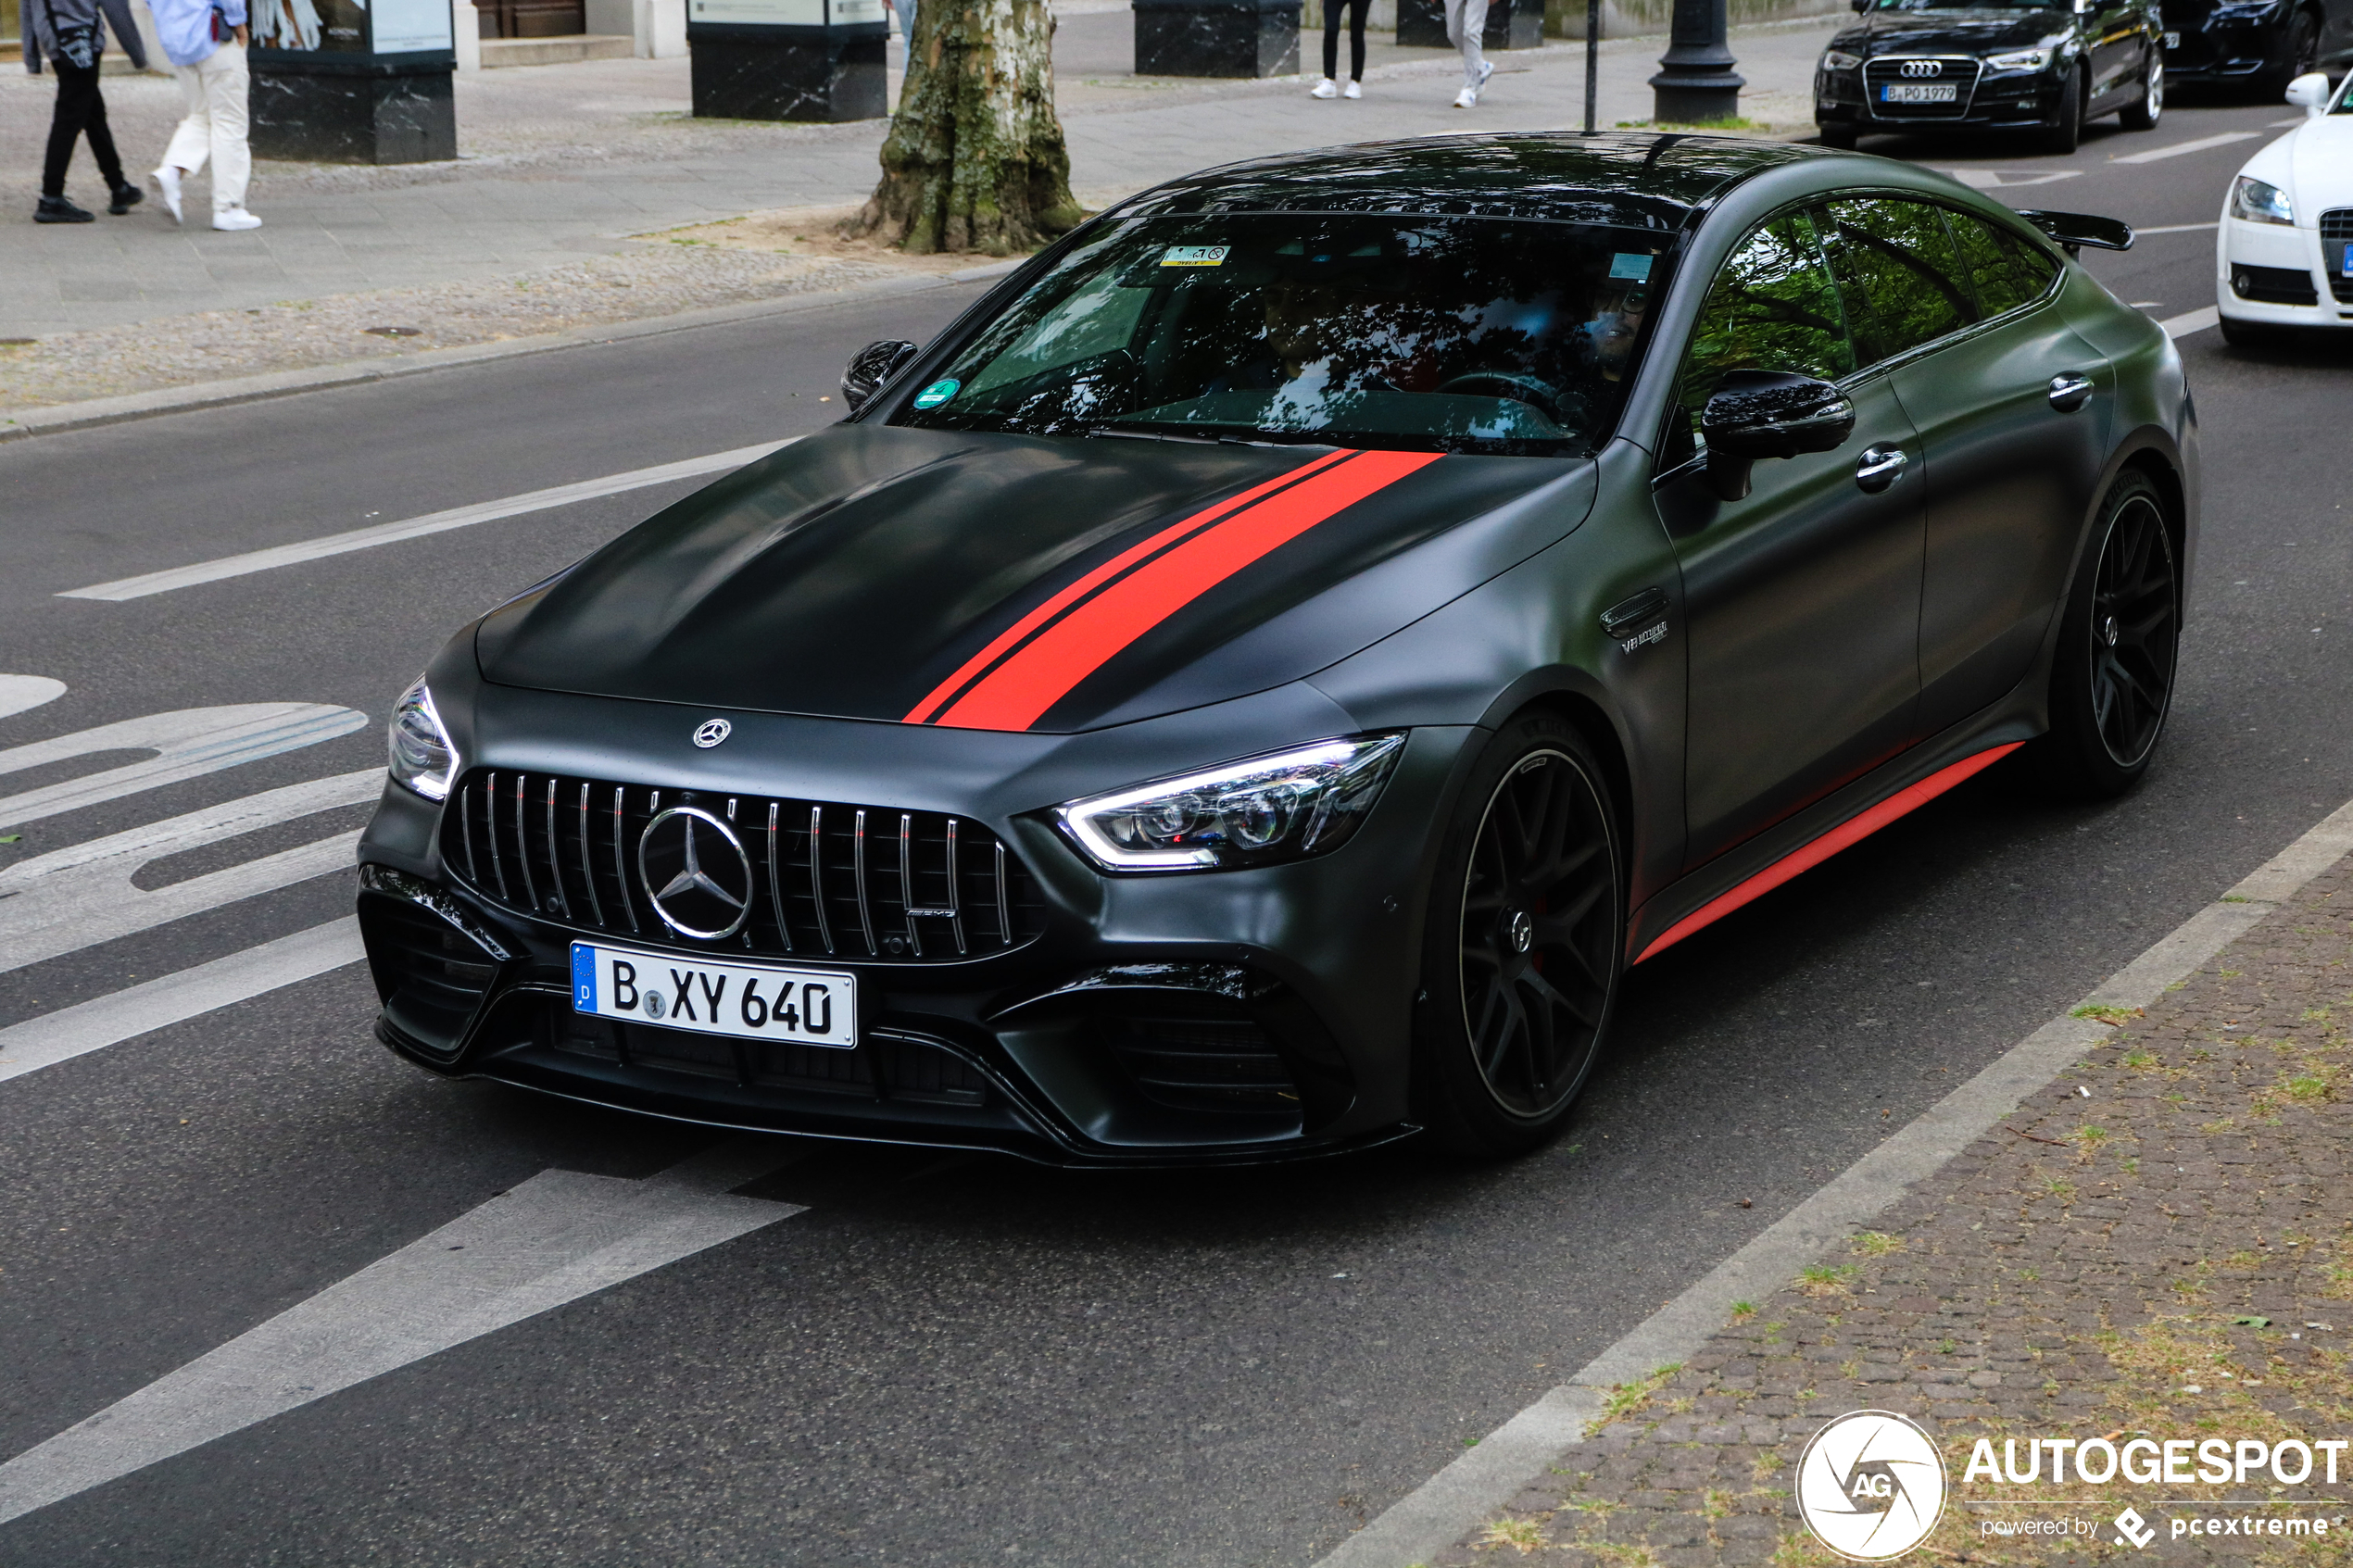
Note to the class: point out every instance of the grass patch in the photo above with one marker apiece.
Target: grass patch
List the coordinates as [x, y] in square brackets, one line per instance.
[1627, 1397]
[1827, 1279]
[1878, 1243]
[1522, 1536]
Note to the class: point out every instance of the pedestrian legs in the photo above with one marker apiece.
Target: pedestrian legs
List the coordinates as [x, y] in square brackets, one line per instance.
[214, 90]
[80, 110]
[1467, 31]
[1356, 11]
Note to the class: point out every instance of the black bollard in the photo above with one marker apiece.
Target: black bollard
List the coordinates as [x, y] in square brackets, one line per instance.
[1695, 82]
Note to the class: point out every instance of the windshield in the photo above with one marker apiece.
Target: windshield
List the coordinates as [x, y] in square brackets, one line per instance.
[1448, 334]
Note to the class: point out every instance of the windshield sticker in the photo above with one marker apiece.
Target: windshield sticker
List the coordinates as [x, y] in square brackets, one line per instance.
[937, 393]
[1195, 256]
[1631, 264]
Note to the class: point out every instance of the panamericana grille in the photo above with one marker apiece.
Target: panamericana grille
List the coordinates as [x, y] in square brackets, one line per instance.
[868, 883]
[2337, 232]
[1959, 69]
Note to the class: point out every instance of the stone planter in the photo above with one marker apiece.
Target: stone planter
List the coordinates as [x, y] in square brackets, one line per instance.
[1216, 37]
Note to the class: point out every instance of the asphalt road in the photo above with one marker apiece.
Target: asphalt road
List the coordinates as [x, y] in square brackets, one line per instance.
[966, 1360]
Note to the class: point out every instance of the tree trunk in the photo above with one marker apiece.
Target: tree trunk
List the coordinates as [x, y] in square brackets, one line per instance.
[974, 159]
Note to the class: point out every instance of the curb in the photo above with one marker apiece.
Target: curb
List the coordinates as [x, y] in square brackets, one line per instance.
[1468, 1492]
[17, 423]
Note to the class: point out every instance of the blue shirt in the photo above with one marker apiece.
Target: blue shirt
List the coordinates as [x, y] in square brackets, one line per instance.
[185, 27]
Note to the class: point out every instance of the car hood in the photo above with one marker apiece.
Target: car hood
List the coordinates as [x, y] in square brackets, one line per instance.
[1949, 33]
[1013, 583]
[2321, 154]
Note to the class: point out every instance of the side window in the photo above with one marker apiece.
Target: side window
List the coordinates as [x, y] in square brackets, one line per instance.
[1772, 308]
[2008, 271]
[1896, 270]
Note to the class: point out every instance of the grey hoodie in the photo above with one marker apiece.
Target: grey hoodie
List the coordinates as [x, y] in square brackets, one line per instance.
[35, 18]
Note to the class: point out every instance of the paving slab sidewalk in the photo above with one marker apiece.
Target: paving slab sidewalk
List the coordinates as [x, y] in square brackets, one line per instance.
[538, 227]
[2160, 1243]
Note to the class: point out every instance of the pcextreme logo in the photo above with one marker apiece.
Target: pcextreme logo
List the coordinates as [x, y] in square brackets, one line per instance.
[1870, 1485]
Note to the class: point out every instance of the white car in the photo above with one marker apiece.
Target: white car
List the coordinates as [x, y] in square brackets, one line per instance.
[2283, 251]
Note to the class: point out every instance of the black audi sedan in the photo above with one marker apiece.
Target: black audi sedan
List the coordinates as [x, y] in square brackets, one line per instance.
[1253, 685]
[1928, 66]
[2260, 46]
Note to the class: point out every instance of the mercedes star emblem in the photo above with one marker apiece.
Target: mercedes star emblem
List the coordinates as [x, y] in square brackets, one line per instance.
[710, 731]
[695, 873]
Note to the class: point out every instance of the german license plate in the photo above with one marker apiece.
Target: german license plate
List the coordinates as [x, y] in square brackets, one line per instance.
[1920, 93]
[2172, 41]
[2344, 264]
[800, 1007]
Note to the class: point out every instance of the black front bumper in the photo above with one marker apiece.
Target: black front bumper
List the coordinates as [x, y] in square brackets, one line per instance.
[2226, 50]
[1235, 1017]
[2024, 102]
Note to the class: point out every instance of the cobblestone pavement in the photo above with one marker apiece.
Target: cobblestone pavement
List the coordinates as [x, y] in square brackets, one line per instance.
[2160, 1243]
[564, 167]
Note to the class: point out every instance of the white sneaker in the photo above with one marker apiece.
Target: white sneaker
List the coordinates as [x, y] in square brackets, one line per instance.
[1486, 69]
[235, 218]
[167, 183]
[1464, 99]
[1353, 90]
[1326, 88]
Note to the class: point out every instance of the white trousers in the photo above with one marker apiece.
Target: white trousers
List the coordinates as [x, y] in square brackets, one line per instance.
[214, 90]
[1467, 31]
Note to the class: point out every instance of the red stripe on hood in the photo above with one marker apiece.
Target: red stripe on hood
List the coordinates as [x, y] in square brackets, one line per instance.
[1043, 671]
[939, 696]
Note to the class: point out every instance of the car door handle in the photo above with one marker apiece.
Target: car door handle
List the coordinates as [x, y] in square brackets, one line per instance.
[1879, 467]
[2069, 392]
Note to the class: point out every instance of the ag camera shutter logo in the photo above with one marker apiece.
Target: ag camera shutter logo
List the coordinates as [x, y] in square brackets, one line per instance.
[1870, 1485]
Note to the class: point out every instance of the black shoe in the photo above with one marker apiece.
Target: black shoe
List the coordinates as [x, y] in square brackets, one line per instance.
[57, 209]
[125, 198]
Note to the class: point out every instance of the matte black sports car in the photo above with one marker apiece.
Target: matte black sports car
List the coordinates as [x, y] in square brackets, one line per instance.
[1253, 685]
[1926, 67]
[2259, 44]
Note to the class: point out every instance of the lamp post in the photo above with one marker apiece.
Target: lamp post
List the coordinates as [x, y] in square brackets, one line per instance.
[1695, 82]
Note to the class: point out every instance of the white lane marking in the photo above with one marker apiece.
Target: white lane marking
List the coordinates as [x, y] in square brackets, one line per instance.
[2222, 139]
[1468, 1492]
[555, 1238]
[1996, 179]
[74, 897]
[187, 744]
[173, 998]
[20, 692]
[2190, 321]
[417, 527]
[2177, 229]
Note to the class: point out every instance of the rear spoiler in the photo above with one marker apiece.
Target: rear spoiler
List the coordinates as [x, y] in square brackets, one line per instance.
[2076, 230]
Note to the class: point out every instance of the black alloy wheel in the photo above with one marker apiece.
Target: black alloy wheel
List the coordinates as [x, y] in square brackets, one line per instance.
[2303, 53]
[1526, 942]
[2112, 682]
[2068, 135]
[2143, 112]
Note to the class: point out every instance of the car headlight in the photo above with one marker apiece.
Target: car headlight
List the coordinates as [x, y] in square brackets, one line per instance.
[2019, 59]
[2259, 203]
[1253, 812]
[1839, 59]
[423, 758]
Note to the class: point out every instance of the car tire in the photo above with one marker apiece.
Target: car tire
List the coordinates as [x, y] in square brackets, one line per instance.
[2143, 112]
[1523, 942]
[2068, 135]
[2120, 642]
[1842, 137]
[2303, 54]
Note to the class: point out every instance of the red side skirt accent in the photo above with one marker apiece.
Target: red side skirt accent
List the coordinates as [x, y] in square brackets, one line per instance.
[1806, 857]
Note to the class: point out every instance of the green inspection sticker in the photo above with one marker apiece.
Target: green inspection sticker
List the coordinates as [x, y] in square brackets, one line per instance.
[1195, 256]
[937, 393]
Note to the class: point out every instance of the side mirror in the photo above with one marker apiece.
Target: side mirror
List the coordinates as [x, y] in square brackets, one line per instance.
[871, 368]
[1759, 414]
[2073, 231]
[2310, 93]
